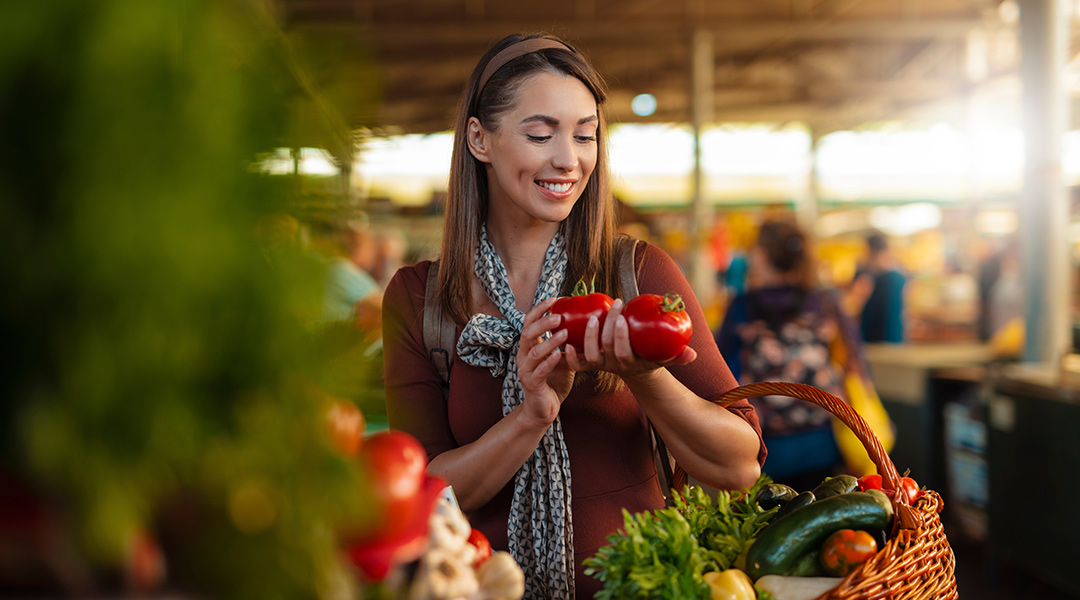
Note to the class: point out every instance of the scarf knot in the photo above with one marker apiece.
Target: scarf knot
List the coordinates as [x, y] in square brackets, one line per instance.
[490, 343]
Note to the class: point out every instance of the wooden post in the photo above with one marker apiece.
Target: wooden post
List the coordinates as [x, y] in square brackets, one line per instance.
[701, 275]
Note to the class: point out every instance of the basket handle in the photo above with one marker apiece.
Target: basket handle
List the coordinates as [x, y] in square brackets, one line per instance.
[906, 518]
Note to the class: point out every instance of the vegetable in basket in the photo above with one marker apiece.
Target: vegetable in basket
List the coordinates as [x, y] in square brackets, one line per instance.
[665, 553]
[779, 546]
[846, 549]
[730, 584]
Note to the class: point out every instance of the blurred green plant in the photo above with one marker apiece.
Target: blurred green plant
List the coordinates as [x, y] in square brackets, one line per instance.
[161, 369]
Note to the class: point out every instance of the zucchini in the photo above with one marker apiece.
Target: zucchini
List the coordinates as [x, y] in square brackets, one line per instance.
[784, 541]
[803, 499]
[809, 565]
[841, 484]
[774, 494]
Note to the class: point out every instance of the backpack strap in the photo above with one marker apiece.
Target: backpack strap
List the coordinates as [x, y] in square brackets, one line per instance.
[439, 333]
[628, 281]
[627, 271]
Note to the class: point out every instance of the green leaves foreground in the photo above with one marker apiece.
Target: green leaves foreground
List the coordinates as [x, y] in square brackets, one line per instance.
[664, 553]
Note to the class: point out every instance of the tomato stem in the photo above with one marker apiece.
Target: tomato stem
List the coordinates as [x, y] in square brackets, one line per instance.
[673, 303]
[580, 289]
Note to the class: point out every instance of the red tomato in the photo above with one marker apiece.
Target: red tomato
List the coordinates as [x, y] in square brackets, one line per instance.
[660, 328]
[870, 482]
[375, 554]
[395, 465]
[911, 489]
[482, 545]
[576, 311]
[846, 549]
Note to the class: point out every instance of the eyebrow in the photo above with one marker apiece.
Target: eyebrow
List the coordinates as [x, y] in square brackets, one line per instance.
[545, 119]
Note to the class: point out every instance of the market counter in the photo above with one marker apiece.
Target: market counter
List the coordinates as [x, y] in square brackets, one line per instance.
[1033, 455]
[914, 382]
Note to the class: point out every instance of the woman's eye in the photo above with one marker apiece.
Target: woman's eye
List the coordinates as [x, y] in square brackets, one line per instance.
[586, 138]
[538, 138]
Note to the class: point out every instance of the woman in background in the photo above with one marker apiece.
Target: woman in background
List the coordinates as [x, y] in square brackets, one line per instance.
[783, 329]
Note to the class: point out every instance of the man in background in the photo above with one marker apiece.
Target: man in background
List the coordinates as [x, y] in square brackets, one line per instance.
[878, 287]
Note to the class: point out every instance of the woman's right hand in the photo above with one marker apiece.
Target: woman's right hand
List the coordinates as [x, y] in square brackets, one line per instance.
[545, 377]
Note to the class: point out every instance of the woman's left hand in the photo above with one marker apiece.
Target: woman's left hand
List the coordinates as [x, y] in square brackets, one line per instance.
[609, 349]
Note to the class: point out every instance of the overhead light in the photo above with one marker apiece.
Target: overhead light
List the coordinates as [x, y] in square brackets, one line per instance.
[643, 105]
[906, 219]
[1009, 12]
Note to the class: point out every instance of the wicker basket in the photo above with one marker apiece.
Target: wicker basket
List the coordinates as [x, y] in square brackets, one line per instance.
[917, 561]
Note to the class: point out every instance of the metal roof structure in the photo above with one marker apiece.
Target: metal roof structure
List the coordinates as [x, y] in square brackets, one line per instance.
[833, 64]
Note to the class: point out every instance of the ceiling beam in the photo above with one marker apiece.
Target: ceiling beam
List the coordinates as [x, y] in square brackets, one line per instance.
[409, 32]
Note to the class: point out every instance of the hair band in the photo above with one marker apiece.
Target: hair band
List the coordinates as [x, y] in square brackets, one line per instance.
[515, 50]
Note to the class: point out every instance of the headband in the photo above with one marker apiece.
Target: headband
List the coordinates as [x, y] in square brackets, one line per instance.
[515, 50]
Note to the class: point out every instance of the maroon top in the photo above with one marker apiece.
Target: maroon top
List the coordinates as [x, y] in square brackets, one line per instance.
[607, 436]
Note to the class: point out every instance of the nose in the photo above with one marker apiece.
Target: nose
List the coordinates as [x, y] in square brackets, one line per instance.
[565, 155]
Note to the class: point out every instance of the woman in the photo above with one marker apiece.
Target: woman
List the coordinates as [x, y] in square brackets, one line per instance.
[783, 329]
[544, 445]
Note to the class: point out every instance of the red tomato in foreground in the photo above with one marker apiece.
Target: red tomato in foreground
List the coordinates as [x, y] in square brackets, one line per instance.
[660, 328]
[576, 311]
[395, 465]
[482, 545]
[375, 554]
[846, 549]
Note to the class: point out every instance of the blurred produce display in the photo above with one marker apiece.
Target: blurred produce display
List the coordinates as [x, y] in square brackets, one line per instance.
[165, 391]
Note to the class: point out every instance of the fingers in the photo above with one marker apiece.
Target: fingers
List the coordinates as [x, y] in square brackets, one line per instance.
[594, 352]
[607, 336]
[536, 324]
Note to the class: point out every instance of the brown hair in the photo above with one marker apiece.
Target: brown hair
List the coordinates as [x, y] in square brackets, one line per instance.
[788, 251]
[590, 227]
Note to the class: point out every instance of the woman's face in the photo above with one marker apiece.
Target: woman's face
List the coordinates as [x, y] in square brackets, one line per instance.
[543, 151]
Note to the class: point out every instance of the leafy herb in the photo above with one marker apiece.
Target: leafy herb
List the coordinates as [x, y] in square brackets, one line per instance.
[664, 553]
[763, 595]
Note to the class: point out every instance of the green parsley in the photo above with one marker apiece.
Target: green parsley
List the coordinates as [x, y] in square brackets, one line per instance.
[664, 553]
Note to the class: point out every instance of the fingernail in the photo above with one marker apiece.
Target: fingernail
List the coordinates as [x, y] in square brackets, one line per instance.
[617, 303]
[593, 321]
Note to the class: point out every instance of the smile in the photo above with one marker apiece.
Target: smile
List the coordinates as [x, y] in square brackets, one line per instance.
[559, 188]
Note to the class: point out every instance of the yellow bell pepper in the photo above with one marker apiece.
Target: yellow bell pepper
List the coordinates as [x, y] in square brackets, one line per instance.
[731, 584]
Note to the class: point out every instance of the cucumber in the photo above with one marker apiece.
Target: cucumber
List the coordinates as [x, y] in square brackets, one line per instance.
[784, 541]
[841, 484]
[774, 494]
[803, 499]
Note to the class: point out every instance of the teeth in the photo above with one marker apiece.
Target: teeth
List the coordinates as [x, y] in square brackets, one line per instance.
[556, 187]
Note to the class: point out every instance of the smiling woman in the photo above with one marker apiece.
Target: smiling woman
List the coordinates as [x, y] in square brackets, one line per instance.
[545, 444]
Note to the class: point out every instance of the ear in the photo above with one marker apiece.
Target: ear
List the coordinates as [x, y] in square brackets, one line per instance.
[478, 140]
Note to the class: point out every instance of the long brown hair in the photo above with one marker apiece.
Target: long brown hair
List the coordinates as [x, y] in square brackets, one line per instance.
[589, 229]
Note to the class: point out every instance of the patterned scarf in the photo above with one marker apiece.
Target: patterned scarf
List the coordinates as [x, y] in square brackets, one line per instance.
[540, 530]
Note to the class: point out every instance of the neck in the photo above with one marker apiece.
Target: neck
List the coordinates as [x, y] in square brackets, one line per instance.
[522, 251]
[521, 246]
